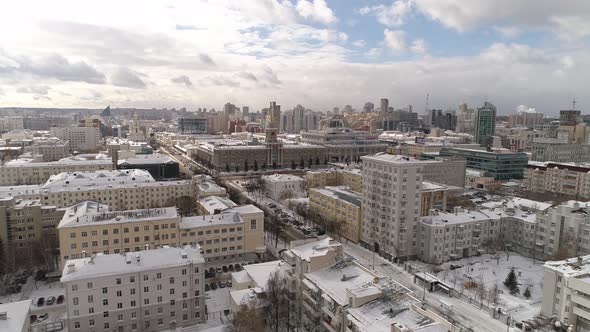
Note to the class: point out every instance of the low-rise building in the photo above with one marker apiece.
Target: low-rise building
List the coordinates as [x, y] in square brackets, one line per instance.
[566, 289]
[160, 166]
[281, 186]
[214, 205]
[479, 179]
[340, 206]
[559, 151]
[121, 189]
[25, 171]
[52, 149]
[234, 235]
[154, 290]
[351, 178]
[501, 164]
[15, 316]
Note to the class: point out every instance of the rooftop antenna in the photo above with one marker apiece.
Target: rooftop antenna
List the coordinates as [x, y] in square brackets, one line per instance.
[574, 102]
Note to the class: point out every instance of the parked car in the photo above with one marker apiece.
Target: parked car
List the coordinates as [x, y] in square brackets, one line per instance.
[40, 301]
[221, 285]
[238, 267]
[213, 286]
[231, 268]
[207, 287]
[228, 283]
[50, 301]
[224, 268]
[43, 317]
[60, 299]
[219, 270]
[33, 318]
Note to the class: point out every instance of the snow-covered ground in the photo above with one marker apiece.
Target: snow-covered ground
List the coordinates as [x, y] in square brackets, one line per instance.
[492, 271]
[218, 304]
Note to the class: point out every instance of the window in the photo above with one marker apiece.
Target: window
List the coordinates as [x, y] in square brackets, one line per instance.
[76, 325]
[90, 299]
[119, 293]
[159, 275]
[171, 291]
[84, 234]
[146, 313]
[105, 290]
[105, 302]
[118, 280]
[252, 224]
[105, 314]
[119, 305]
[91, 322]
[105, 232]
[72, 235]
[75, 301]
[120, 317]
[90, 310]
[106, 326]
[132, 291]
[131, 279]
[146, 289]
[89, 285]
[74, 288]
[132, 304]
[183, 272]
[171, 280]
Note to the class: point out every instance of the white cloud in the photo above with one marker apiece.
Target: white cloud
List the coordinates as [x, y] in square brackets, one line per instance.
[125, 77]
[571, 28]
[182, 79]
[316, 10]
[508, 31]
[395, 40]
[419, 46]
[34, 89]
[359, 43]
[393, 15]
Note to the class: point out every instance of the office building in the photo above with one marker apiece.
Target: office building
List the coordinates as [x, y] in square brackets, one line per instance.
[485, 123]
[8, 123]
[50, 149]
[192, 126]
[82, 139]
[155, 290]
[340, 207]
[501, 164]
[528, 118]
[391, 204]
[559, 151]
[465, 119]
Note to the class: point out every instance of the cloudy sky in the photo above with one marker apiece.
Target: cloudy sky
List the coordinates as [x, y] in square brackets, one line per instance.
[319, 53]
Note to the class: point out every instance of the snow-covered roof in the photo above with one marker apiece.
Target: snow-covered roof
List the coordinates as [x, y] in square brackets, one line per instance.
[86, 213]
[29, 162]
[578, 267]
[340, 193]
[245, 296]
[130, 262]
[215, 203]
[260, 273]
[282, 178]
[241, 276]
[316, 248]
[211, 220]
[16, 315]
[145, 159]
[379, 315]
[448, 218]
[335, 280]
[426, 185]
[396, 159]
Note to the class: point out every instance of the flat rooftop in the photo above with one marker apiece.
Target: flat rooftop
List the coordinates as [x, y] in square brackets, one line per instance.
[228, 218]
[215, 203]
[17, 314]
[397, 159]
[315, 248]
[147, 159]
[131, 262]
[341, 193]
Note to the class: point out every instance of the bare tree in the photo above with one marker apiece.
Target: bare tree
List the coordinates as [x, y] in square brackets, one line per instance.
[287, 194]
[493, 294]
[275, 226]
[277, 301]
[248, 318]
[186, 205]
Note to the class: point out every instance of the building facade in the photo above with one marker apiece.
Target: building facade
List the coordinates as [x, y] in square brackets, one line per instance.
[559, 151]
[16, 173]
[281, 186]
[485, 123]
[154, 290]
[338, 205]
[499, 164]
[79, 138]
[558, 178]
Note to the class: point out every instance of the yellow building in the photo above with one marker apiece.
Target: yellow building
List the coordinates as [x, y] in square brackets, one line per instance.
[335, 177]
[341, 205]
[88, 228]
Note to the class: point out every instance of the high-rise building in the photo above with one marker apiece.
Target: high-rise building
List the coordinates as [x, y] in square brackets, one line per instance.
[192, 125]
[79, 138]
[275, 115]
[465, 119]
[569, 117]
[485, 122]
[369, 107]
[384, 106]
[391, 204]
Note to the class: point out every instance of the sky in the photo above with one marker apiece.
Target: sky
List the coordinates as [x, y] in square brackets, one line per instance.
[318, 53]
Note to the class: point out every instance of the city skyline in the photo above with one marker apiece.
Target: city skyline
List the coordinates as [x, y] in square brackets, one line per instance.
[318, 53]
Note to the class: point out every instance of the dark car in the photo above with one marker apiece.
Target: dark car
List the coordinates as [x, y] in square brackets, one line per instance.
[33, 318]
[50, 301]
[60, 299]
[231, 268]
[238, 267]
[207, 287]
[40, 301]
[213, 286]
[43, 317]
[224, 268]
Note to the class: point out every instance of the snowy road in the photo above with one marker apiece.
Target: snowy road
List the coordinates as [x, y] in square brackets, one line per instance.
[463, 312]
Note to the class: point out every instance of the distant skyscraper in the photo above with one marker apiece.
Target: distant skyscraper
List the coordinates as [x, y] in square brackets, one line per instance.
[348, 108]
[275, 115]
[384, 105]
[369, 107]
[245, 110]
[485, 122]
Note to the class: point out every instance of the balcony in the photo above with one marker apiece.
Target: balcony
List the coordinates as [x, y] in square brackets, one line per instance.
[582, 312]
[581, 300]
[311, 307]
[327, 325]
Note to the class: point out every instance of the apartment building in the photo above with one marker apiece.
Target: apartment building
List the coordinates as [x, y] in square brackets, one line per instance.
[80, 138]
[89, 227]
[28, 230]
[19, 172]
[279, 186]
[339, 205]
[391, 204]
[558, 178]
[564, 230]
[566, 290]
[449, 171]
[152, 290]
[120, 190]
[433, 197]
